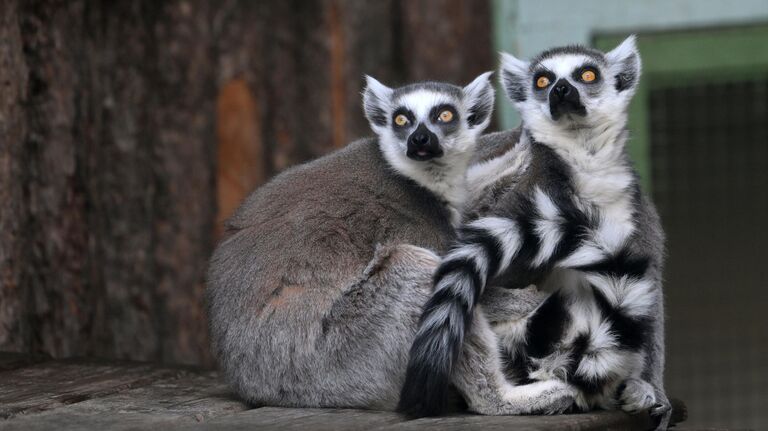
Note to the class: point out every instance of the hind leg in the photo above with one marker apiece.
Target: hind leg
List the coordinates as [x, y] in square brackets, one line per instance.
[369, 328]
[480, 378]
[320, 345]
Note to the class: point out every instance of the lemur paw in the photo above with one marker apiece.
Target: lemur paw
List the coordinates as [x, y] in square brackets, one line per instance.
[558, 406]
[636, 395]
[538, 398]
[557, 400]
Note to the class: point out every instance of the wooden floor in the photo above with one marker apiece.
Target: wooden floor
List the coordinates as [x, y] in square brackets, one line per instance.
[92, 395]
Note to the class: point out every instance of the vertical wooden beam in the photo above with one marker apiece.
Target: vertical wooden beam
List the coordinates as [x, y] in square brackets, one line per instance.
[120, 142]
[185, 203]
[338, 72]
[447, 40]
[110, 115]
[14, 323]
[243, 161]
[240, 152]
[285, 44]
[368, 46]
[57, 230]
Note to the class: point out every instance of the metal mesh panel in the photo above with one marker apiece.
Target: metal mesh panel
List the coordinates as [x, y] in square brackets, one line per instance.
[709, 152]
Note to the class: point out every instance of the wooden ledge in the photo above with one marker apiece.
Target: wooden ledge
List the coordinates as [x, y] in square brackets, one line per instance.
[43, 394]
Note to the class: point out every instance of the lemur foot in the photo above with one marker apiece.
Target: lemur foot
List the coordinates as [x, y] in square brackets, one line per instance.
[538, 398]
[557, 406]
[636, 395]
[557, 398]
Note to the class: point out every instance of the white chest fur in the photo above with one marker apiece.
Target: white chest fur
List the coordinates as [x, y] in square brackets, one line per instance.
[603, 183]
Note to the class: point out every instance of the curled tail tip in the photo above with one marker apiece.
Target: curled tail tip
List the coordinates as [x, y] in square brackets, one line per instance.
[422, 407]
[437, 345]
[411, 410]
[425, 393]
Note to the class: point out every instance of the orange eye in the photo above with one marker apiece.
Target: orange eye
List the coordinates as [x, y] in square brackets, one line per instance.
[445, 116]
[401, 120]
[588, 76]
[542, 82]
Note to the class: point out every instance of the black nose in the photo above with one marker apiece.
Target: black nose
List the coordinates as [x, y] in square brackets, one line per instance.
[564, 99]
[423, 144]
[419, 139]
[562, 90]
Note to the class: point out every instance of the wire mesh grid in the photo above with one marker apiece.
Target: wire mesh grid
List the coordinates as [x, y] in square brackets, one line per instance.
[709, 152]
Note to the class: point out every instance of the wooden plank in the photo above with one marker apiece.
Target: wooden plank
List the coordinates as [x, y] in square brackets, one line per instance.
[107, 116]
[300, 420]
[13, 360]
[462, 28]
[334, 419]
[77, 395]
[184, 193]
[106, 178]
[14, 306]
[49, 385]
[56, 230]
[598, 420]
[588, 421]
[188, 398]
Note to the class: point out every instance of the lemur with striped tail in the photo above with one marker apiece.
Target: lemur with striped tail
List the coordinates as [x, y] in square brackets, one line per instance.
[563, 210]
[315, 291]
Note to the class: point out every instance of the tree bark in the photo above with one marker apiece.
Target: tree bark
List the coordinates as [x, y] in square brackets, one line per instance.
[447, 40]
[14, 292]
[130, 130]
[185, 177]
[57, 231]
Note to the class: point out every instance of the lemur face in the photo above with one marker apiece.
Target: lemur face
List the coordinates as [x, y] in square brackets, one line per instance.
[573, 86]
[428, 121]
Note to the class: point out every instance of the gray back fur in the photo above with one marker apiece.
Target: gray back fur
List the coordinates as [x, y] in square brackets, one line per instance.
[295, 251]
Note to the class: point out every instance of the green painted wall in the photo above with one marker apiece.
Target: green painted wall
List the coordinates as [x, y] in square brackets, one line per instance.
[682, 58]
[525, 27]
[675, 37]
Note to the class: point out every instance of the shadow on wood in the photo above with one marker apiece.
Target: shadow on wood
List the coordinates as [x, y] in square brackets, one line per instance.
[43, 394]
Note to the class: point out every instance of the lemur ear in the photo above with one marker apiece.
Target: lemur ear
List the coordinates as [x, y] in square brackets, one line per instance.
[479, 97]
[625, 62]
[376, 99]
[514, 77]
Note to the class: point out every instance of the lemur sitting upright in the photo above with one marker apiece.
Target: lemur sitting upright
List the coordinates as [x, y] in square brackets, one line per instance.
[314, 294]
[568, 216]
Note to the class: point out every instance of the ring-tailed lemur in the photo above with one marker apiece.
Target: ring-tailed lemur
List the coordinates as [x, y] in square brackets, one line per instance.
[314, 294]
[568, 215]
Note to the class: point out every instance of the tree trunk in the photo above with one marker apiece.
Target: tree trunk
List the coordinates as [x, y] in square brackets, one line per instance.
[14, 291]
[130, 130]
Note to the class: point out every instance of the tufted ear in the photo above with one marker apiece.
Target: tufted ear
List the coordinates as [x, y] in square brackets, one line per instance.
[479, 98]
[514, 77]
[376, 99]
[624, 60]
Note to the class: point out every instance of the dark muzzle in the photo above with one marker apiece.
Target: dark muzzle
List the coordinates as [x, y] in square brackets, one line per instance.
[564, 99]
[423, 145]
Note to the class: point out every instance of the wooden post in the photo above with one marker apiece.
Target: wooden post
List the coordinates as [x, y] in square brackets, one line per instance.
[128, 130]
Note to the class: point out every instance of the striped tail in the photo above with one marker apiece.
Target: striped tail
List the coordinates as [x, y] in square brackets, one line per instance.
[485, 248]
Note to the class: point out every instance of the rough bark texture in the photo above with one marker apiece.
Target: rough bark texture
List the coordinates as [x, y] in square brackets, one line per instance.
[14, 292]
[130, 130]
